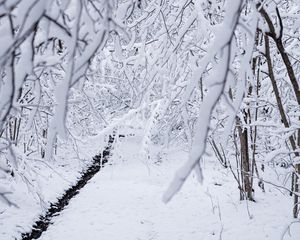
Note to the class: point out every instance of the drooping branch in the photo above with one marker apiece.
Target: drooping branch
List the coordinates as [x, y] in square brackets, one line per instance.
[222, 46]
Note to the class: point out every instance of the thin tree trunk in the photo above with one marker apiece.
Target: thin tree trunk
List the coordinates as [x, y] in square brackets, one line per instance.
[245, 161]
[295, 178]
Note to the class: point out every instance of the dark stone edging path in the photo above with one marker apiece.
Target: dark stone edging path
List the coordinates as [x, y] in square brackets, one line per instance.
[42, 224]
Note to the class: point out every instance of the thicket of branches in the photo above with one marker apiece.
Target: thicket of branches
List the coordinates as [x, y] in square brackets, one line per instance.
[191, 71]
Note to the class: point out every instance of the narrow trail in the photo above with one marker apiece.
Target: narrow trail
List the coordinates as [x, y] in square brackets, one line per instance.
[42, 224]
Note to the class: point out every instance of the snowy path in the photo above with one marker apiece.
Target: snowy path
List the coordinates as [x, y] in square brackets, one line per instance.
[120, 206]
[123, 202]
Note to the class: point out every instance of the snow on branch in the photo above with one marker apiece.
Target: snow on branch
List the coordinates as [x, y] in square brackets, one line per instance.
[221, 48]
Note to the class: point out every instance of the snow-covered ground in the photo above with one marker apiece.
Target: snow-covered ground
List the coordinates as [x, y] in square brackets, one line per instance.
[124, 202]
[39, 183]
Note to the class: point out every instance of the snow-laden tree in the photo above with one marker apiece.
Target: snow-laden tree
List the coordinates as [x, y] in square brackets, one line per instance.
[48, 49]
[198, 71]
[281, 36]
[222, 55]
[266, 130]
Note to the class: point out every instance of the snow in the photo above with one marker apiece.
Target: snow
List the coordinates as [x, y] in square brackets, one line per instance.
[147, 59]
[123, 201]
[47, 181]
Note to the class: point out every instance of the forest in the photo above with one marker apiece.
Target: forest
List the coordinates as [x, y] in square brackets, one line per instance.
[149, 119]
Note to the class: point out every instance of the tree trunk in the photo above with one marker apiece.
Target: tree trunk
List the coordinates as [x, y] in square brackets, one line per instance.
[245, 162]
[290, 71]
